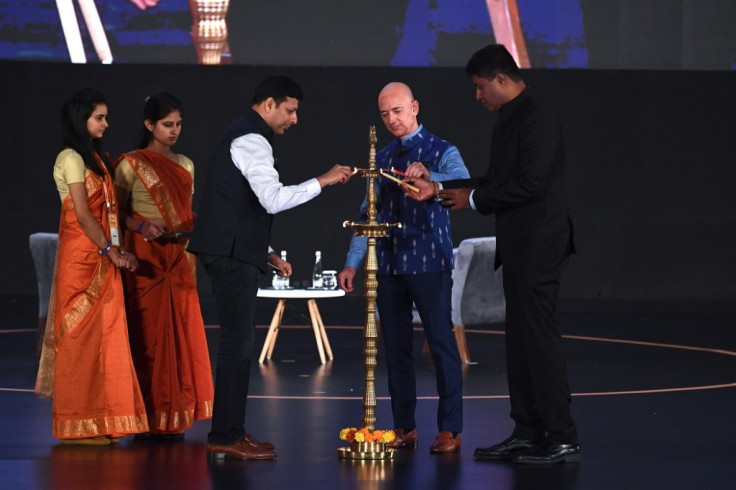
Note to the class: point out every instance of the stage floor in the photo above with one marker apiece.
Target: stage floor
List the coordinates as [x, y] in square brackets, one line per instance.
[654, 400]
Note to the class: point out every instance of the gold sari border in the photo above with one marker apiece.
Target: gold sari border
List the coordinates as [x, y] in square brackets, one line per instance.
[182, 419]
[100, 426]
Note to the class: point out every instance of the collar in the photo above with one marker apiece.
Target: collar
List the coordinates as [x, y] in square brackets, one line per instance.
[508, 109]
[407, 141]
[260, 124]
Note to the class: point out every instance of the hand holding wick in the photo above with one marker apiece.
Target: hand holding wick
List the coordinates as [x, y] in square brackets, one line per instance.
[417, 169]
[337, 174]
[400, 182]
[355, 171]
[425, 189]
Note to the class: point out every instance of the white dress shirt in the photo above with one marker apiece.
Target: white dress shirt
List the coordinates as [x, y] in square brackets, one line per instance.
[253, 156]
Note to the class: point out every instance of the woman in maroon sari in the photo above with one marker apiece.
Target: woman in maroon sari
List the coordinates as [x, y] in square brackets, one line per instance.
[167, 338]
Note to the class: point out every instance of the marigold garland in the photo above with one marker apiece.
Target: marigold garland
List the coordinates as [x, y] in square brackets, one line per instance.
[352, 434]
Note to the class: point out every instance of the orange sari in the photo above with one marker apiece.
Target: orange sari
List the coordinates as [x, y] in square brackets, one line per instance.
[164, 320]
[86, 362]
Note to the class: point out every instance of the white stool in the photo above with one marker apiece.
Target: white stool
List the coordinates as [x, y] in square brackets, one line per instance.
[311, 295]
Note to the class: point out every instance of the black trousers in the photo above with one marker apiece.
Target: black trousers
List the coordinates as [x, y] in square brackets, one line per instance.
[430, 291]
[235, 286]
[535, 360]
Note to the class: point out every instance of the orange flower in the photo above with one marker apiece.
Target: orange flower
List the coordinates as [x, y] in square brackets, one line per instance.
[351, 434]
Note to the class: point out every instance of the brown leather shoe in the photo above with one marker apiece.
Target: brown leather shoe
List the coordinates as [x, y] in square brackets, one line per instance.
[262, 444]
[445, 443]
[404, 440]
[240, 450]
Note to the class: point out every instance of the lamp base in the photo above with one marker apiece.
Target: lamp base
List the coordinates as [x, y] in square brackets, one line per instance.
[366, 451]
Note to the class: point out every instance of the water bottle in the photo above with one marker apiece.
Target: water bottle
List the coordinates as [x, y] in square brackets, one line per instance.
[278, 282]
[284, 280]
[317, 271]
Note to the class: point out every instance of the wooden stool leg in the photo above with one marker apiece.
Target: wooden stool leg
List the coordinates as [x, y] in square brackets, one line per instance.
[272, 331]
[462, 344]
[323, 333]
[281, 307]
[315, 326]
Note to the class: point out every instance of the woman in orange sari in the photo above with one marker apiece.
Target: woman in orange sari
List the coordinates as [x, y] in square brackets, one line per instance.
[168, 342]
[86, 363]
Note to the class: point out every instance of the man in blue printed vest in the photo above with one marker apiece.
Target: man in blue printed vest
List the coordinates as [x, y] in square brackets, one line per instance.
[414, 267]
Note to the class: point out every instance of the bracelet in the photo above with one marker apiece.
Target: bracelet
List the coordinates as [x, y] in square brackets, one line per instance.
[436, 189]
[140, 226]
[104, 251]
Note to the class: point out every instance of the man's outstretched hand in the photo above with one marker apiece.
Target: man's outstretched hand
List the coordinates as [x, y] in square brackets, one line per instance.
[337, 174]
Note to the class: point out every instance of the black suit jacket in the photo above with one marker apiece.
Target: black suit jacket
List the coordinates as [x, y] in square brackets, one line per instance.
[524, 185]
[231, 221]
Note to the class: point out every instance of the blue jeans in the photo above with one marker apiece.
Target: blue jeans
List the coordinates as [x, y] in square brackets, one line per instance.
[430, 291]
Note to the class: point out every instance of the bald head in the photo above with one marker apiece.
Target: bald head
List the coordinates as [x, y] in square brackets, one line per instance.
[398, 109]
[396, 89]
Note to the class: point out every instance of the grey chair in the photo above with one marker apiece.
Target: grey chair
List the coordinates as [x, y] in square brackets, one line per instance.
[43, 250]
[477, 290]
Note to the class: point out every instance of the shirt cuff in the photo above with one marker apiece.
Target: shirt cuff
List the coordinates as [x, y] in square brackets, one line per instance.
[313, 187]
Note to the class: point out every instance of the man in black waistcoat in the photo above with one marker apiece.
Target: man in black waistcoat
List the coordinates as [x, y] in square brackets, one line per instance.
[231, 238]
[525, 188]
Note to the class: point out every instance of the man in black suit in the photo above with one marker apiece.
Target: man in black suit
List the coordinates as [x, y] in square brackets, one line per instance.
[524, 187]
[231, 237]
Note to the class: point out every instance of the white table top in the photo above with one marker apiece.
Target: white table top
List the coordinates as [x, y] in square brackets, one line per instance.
[299, 293]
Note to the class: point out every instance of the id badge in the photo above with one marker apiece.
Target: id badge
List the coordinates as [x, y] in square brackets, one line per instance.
[114, 235]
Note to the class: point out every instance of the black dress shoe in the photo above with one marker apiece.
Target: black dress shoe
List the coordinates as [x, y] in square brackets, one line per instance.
[505, 450]
[550, 452]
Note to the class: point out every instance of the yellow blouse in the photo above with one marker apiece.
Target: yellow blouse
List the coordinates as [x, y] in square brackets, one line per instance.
[140, 200]
[68, 169]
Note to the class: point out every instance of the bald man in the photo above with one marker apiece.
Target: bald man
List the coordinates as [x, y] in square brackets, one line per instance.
[414, 267]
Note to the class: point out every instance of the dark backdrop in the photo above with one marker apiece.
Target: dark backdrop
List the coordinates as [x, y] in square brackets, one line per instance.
[650, 161]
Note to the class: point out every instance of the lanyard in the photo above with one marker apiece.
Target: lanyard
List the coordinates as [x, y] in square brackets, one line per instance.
[112, 213]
